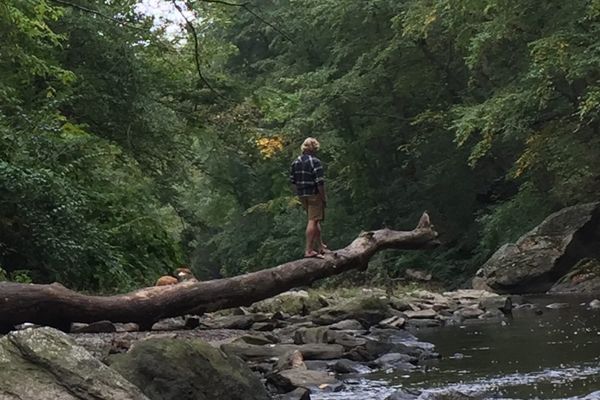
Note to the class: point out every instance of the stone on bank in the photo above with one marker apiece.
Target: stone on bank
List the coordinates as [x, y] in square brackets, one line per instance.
[44, 364]
[187, 370]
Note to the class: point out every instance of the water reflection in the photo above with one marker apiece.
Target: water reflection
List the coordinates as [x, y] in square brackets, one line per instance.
[540, 353]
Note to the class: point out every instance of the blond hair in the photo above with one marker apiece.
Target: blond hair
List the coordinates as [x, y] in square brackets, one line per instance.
[310, 144]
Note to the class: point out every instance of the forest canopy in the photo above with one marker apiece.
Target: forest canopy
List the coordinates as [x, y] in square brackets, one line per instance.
[128, 150]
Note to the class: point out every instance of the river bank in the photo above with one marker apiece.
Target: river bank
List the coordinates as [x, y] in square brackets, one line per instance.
[369, 344]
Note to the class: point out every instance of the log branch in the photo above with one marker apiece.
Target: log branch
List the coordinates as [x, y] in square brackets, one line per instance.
[57, 306]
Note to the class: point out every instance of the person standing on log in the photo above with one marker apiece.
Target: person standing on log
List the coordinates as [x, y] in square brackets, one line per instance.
[307, 177]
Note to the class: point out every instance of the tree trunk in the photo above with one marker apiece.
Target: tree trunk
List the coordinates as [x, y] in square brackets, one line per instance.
[57, 306]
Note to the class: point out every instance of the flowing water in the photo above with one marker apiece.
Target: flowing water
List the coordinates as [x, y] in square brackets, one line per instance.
[555, 355]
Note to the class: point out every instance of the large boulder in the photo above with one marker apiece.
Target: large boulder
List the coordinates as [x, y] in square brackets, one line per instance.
[187, 370]
[542, 256]
[46, 364]
[583, 278]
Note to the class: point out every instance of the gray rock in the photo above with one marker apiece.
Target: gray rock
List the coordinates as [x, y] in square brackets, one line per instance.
[309, 351]
[235, 321]
[584, 277]
[97, 345]
[423, 323]
[288, 332]
[296, 394]
[374, 349]
[266, 326]
[45, 364]
[325, 335]
[127, 327]
[502, 303]
[298, 302]
[362, 354]
[257, 340]
[399, 304]
[187, 369]
[392, 335]
[347, 325]
[169, 324]
[367, 310]
[25, 325]
[595, 304]
[421, 314]
[317, 365]
[291, 379]
[551, 249]
[396, 361]
[345, 366]
[290, 360]
[399, 341]
[469, 312]
[346, 339]
[94, 327]
[317, 334]
[393, 322]
[239, 311]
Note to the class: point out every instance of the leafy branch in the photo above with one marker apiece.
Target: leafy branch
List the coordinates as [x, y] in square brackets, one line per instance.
[192, 31]
[246, 6]
[99, 14]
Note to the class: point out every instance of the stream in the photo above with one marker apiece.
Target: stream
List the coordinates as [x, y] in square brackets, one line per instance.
[552, 355]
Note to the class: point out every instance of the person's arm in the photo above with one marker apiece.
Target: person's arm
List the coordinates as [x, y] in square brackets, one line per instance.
[292, 180]
[320, 179]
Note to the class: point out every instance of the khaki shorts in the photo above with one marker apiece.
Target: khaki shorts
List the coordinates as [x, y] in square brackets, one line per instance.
[314, 207]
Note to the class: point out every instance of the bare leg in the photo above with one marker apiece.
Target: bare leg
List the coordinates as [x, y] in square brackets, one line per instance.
[318, 244]
[311, 228]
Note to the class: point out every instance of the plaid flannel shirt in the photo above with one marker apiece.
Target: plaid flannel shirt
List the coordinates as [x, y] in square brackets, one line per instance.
[307, 173]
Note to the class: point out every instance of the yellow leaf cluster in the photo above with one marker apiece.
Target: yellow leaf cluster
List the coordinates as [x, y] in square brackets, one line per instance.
[269, 146]
[528, 158]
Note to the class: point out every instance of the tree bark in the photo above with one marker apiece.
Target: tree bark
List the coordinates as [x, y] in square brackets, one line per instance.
[57, 306]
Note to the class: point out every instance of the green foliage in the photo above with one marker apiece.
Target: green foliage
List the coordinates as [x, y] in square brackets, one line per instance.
[509, 220]
[118, 162]
[483, 113]
[76, 208]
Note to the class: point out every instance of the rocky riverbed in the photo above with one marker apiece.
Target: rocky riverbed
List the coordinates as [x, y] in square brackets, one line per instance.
[293, 346]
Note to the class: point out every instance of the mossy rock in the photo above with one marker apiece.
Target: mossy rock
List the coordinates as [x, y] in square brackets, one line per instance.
[292, 303]
[45, 364]
[367, 310]
[167, 369]
[546, 253]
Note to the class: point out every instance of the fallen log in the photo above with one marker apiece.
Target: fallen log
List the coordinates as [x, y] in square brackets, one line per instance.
[56, 306]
